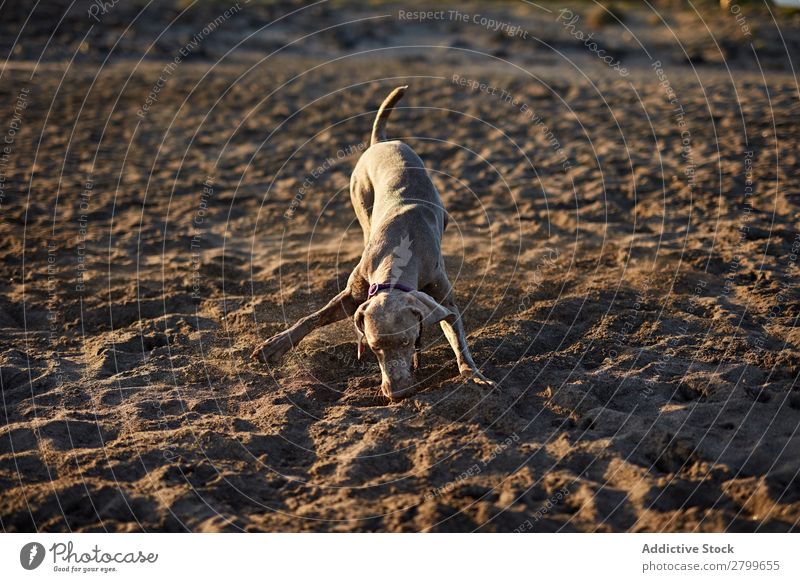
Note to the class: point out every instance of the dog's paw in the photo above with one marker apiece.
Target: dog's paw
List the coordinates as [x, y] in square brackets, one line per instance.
[273, 349]
[476, 377]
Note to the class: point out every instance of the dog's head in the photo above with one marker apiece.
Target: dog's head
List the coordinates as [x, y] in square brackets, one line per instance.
[390, 323]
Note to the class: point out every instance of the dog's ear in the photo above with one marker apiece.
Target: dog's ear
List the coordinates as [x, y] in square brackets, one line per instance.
[358, 320]
[415, 359]
[429, 309]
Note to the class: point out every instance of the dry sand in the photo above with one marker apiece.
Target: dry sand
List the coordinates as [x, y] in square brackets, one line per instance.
[639, 310]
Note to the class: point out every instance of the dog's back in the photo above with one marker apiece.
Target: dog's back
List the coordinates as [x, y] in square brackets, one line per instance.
[390, 181]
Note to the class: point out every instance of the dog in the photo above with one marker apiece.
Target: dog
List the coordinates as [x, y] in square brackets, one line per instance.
[400, 283]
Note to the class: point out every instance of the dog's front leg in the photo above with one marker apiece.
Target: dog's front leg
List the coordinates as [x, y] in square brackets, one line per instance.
[454, 332]
[341, 306]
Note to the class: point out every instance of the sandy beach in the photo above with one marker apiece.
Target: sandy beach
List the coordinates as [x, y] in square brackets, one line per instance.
[623, 243]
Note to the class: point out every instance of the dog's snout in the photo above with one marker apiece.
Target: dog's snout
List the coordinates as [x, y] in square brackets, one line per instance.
[398, 379]
[397, 390]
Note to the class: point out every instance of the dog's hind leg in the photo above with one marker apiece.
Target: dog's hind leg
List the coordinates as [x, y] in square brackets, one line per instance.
[363, 198]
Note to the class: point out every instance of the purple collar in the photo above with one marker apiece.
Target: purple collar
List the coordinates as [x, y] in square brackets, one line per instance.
[376, 288]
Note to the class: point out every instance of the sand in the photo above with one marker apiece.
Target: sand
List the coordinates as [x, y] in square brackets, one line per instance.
[627, 268]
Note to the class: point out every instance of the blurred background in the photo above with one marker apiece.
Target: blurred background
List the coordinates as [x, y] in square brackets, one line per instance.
[85, 30]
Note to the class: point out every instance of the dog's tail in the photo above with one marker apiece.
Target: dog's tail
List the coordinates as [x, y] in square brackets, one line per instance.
[379, 128]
